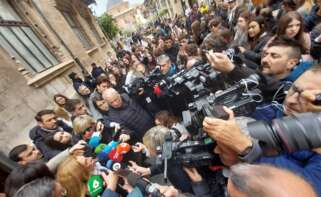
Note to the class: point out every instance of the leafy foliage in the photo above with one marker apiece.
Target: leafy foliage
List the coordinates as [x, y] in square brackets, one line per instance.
[108, 25]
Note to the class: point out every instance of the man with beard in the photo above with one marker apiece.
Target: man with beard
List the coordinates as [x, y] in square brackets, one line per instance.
[47, 123]
[280, 66]
[233, 145]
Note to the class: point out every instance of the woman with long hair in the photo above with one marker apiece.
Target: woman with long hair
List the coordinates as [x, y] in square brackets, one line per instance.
[60, 111]
[291, 26]
[257, 39]
[73, 174]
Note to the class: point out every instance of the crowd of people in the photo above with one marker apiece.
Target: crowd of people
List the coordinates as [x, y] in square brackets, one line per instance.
[94, 145]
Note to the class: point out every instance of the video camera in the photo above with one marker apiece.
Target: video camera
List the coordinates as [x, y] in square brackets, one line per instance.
[188, 153]
[242, 98]
[145, 83]
[200, 78]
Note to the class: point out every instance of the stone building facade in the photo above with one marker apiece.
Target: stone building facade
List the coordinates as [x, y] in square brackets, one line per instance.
[40, 41]
[173, 7]
[124, 15]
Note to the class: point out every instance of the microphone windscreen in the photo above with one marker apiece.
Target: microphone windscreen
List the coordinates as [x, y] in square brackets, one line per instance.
[123, 148]
[94, 141]
[99, 148]
[113, 155]
[95, 185]
[109, 164]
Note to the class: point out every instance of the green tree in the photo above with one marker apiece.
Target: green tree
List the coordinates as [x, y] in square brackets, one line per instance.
[108, 25]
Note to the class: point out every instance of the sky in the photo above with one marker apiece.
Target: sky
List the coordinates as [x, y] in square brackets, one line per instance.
[100, 6]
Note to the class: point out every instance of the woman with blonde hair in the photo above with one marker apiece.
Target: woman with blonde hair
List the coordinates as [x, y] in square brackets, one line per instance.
[84, 126]
[82, 123]
[73, 174]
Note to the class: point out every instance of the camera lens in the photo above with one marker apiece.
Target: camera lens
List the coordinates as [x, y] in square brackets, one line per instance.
[293, 133]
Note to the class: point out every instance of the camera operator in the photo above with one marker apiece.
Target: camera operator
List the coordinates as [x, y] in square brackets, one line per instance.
[299, 99]
[280, 66]
[201, 181]
[155, 137]
[167, 67]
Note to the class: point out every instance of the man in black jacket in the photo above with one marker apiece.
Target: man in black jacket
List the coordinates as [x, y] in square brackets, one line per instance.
[47, 123]
[128, 113]
[171, 49]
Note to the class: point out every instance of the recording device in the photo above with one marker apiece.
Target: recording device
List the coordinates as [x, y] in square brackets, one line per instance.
[290, 133]
[242, 98]
[95, 185]
[146, 187]
[233, 55]
[146, 83]
[189, 153]
[201, 77]
[187, 85]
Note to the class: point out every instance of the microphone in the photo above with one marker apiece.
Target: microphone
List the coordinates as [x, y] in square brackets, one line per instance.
[100, 168]
[95, 185]
[99, 148]
[143, 185]
[115, 156]
[123, 148]
[157, 90]
[94, 140]
[107, 149]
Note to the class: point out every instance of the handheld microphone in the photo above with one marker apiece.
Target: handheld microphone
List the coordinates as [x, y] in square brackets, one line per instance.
[95, 185]
[123, 148]
[94, 140]
[106, 150]
[144, 185]
[115, 156]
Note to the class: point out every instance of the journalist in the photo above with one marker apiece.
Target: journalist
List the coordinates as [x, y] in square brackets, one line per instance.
[201, 181]
[47, 123]
[24, 154]
[167, 67]
[280, 66]
[233, 145]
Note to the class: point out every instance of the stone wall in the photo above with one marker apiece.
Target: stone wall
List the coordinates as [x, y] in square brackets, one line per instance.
[19, 102]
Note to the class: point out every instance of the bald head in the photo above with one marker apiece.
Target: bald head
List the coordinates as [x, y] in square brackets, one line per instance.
[266, 181]
[112, 97]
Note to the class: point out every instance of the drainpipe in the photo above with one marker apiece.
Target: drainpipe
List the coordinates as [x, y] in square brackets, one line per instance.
[58, 36]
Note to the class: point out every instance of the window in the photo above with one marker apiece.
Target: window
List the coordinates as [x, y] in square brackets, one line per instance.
[77, 30]
[95, 32]
[19, 40]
